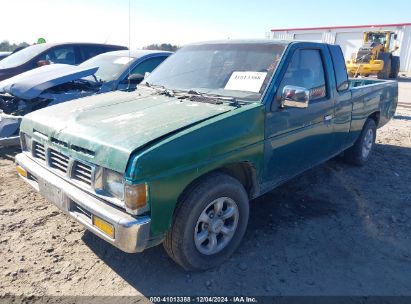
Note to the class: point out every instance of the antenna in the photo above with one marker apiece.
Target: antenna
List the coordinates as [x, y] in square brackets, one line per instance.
[129, 39]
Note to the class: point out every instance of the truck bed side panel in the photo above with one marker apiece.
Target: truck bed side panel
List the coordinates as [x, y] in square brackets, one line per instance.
[374, 97]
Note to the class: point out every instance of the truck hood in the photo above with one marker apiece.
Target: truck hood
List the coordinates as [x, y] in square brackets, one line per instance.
[106, 129]
[31, 84]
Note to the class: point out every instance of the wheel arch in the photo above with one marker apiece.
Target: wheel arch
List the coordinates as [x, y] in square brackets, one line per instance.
[245, 172]
[376, 117]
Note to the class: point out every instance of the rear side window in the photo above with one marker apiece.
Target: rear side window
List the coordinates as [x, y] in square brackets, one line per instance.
[148, 65]
[306, 70]
[340, 70]
[90, 51]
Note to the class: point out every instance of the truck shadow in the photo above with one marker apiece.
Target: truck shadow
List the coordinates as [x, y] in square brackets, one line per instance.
[402, 117]
[404, 79]
[322, 233]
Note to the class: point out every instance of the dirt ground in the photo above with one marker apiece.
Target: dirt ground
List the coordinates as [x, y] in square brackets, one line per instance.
[336, 230]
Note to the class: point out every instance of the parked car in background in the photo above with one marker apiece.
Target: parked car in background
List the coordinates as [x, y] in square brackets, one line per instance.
[53, 84]
[4, 55]
[47, 53]
[213, 127]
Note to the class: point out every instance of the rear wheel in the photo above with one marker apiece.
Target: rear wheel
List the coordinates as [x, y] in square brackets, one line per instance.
[361, 151]
[209, 222]
[386, 71]
[395, 67]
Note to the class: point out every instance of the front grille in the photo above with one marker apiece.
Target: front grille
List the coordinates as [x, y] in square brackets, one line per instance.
[82, 150]
[59, 142]
[363, 57]
[58, 161]
[39, 151]
[63, 164]
[82, 172]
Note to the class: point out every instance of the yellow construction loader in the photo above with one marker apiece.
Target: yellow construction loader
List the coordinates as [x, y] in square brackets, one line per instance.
[375, 56]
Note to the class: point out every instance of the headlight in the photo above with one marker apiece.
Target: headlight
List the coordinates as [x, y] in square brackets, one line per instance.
[113, 183]
[25, 141]
[136, 198]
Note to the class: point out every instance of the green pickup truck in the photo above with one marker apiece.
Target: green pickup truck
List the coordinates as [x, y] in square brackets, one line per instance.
[213, 127]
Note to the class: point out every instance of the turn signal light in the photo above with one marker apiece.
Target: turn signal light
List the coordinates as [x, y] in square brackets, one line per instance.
[21, 171]
[104, 226]
[136, 196]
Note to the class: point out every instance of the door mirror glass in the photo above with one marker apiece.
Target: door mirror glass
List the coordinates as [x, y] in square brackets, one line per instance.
[135, 78]
[295, 97]
[43, 62]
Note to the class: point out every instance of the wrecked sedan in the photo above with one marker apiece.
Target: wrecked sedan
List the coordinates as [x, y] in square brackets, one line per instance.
[53, 84]
[217, 124]
[34, 56]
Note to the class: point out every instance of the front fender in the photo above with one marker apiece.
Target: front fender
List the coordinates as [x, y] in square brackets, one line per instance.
[172, 164]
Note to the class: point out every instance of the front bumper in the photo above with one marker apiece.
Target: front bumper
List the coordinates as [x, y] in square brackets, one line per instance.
[131, 234]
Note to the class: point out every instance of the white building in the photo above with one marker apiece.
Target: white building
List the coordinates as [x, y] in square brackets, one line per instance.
[350, 38]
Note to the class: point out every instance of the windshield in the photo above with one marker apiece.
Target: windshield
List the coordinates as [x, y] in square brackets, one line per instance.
[239, 70]
[22, 56]
[110, 66]
[376, 37]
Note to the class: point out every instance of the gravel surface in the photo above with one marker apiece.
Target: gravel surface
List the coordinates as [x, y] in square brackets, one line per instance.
[336, 230]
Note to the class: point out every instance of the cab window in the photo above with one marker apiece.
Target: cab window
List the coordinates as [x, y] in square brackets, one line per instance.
[306, 70]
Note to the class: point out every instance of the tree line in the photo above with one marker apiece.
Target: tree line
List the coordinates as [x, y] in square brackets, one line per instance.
[6, 46]
[162, 47]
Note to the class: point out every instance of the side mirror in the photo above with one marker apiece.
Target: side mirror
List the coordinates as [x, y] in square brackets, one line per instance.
[43, 62]
[135, 79]
[395, 36]
[295, 97]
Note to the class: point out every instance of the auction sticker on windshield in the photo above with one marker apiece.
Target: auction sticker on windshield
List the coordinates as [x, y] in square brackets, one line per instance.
[246, 81]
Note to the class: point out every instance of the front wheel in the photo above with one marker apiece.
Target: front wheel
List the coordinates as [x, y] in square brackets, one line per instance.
[386, 71]
[361, 151]
[209, 222]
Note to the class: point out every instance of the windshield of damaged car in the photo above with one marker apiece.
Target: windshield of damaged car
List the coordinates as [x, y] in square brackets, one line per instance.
[239, 70]
[110, 67]
[22, 56]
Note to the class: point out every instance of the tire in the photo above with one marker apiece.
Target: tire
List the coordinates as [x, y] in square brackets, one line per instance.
[360, 152]
[183, 240]
[395, 67]
[386, 71]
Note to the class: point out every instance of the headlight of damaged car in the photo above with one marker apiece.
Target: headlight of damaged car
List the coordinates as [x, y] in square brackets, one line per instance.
[113, 183]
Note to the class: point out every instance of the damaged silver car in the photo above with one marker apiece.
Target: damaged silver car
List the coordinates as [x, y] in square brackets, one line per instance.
[57, 83]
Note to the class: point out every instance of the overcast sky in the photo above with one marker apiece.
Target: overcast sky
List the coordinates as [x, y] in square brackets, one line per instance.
[182, 21]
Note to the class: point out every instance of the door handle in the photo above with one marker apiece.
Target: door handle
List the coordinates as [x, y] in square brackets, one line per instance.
[328, 117]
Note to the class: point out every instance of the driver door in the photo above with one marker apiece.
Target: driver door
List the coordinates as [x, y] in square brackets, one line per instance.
[299, 138]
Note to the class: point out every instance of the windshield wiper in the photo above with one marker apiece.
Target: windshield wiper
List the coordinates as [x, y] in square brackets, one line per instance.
[194, 95]
[160, 89]
[198, 96]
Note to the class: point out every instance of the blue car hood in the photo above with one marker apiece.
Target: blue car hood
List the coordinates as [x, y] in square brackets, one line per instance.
[31, 84]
